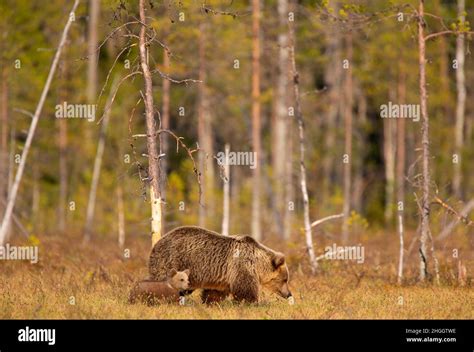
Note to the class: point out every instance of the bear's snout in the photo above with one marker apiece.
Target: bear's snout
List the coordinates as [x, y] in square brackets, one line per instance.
[285, 291]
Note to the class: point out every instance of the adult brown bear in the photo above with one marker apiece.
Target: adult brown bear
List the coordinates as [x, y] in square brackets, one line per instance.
[220, 265]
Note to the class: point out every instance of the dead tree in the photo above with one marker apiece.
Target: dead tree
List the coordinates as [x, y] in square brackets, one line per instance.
[301, 135]
[461, 28]
[31, 132]
[153, 169]
[150, 175]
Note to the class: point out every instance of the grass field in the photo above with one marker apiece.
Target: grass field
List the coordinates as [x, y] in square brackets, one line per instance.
[73, 281]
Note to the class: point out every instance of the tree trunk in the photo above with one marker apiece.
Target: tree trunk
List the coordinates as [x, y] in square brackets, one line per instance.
[4, 141]
[31, 131]
[94, 8]
[359, 185]
[35, 198]
[62, 146]
[164, 138]
[226, 194]
[401, 251]
[153, 161]
[333, 77]
[289, 188]
[301, 134]
[401, 170]
[389, 163]
[425, 142]
[63, 174]
[460, 105]
[120, 217]
[205, 133]
[256, 216]
[401, 149]
[11, 172]
[98, 164]
[281, 114]
[347, 140]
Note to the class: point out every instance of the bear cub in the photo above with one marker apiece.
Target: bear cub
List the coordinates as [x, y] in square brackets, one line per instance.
[153, 292]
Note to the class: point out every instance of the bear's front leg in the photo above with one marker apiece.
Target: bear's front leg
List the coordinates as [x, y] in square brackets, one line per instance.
[213, 296]
[245, 287]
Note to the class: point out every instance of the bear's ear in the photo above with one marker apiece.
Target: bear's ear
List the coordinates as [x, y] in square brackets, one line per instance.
[172, 272]
[187, 271]
[278, 260]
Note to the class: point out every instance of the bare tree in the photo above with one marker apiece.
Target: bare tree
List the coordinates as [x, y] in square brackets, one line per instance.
[256, 124]
[226, 194]
[32, 129]
[460, 104]
[425, 236]
[301, 134]
[153, 160]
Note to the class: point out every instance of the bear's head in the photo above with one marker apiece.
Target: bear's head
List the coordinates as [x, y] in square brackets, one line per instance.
[276, 279]
[179, 279]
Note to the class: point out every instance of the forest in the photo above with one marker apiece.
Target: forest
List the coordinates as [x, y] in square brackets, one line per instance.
[337, 132]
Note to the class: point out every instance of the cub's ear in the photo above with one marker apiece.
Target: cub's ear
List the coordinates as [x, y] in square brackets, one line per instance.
[278, 260]
[172, 272]
[187, 271]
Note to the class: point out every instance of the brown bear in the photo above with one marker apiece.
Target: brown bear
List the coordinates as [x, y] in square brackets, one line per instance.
[220, 265]
[152, 292]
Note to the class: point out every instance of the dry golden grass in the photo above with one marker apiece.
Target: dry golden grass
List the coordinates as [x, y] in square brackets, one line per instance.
[99, 278]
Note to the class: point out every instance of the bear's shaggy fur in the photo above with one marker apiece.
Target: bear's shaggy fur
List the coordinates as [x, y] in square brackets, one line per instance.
[152, 292]
[220, 265]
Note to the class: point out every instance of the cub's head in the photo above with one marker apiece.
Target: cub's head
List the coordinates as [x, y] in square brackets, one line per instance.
[179, 279]
[276, 279]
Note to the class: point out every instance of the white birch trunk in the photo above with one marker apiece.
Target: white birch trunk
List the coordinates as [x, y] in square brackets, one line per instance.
[425, 142]
[304, 189]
